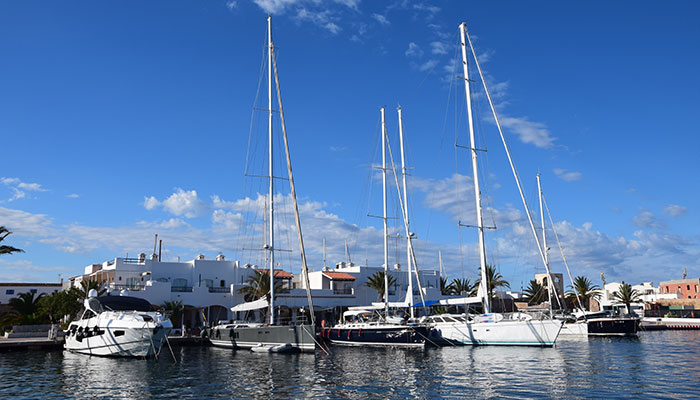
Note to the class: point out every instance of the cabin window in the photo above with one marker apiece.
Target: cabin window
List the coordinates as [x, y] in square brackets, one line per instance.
[118, 333]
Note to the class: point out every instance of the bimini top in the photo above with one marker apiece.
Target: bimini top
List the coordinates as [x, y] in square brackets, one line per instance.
[119, 303]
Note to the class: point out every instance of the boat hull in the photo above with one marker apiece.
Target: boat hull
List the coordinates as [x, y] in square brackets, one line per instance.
[120, 342]
[299, 337]
[539, 333]
[574, 329]
[400, 335]
[613, 326]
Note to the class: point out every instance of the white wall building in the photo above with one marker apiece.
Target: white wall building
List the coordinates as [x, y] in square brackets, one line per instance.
[10, 290]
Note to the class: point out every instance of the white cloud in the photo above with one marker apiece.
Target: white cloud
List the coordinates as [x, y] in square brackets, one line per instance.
[568, 176]
[529, 131]
[439, 48]
[322, 19]
[647, 220]
[428, 65]
[275, 6]
[181, 202]
[381, 19]
[675, 210]
[413, 50]
[426, 7]
[20, 188]
[73, 196]
[231, 4]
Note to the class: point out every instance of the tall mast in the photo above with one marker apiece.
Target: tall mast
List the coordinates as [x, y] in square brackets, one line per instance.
[324, 252]
[347, 259]
[550, 285]
[505, 147]
[292, 189]
[409, 291]
[477, 191]
[384, 217]
[442, 272]
[271, 239]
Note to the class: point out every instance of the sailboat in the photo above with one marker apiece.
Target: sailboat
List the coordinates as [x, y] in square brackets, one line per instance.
[364, 326]
[272, 337]
[518, 329]
[582, 322]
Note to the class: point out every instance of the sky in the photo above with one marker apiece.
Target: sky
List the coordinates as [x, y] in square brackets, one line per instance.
[122, 120]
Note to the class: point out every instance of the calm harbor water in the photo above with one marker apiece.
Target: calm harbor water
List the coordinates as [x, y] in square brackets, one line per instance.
[657, 364]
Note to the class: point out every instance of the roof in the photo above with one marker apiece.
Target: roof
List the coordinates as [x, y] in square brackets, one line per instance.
[31, 284]
[339, 276]
[278, 273]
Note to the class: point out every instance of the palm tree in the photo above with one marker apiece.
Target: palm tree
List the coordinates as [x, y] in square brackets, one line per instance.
[174, 309]
[461, 287]
[4, 232]
[494, 280]
[535, 292]
[444, 286]
[586, 290]
[26, 306]
[59, 304]
[626, 295]
[376, 282]
[83, 291]
[258, 285]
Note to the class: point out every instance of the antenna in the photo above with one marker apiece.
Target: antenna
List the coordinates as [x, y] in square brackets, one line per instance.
[155, 243]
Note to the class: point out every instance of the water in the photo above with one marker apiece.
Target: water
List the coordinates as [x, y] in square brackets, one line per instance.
[656, 365]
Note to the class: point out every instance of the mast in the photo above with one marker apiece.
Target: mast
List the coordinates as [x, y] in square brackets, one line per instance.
[477, 191]
[544, 245]
[271, 238]
[384, 218]
[409, 291]
[324, 252]
[442, 272]
[347, 259]
[505, 147]
[292, 188]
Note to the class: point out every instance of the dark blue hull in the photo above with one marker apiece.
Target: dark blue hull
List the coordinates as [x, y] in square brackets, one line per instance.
[399, 335]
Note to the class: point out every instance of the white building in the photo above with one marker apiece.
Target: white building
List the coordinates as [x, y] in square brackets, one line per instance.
[209, 288]
[10, 290]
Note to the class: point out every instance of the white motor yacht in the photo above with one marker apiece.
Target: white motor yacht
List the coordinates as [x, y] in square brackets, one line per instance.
[118, 326]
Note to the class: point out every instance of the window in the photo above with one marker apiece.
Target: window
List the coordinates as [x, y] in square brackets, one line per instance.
[222, 283]
[179, 282]
[32, 291]
[207, 283]
[10, 291]
[688, 287]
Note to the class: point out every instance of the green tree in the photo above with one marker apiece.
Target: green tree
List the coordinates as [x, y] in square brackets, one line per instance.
[258, 285]
[4, 232]
[460, 287]
[535, 293]
[174, 309]
[586, 290]
[626, 295]
[376, 282]
[26, 306]
[444, 286]
[494, 280]
[85, 286]
[59, 304]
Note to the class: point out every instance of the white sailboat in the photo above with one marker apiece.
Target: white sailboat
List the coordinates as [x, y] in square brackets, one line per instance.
[271, 337]
[518, 329]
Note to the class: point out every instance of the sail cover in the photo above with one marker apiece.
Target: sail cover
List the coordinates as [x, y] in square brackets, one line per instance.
[251, 305]
[462, 300]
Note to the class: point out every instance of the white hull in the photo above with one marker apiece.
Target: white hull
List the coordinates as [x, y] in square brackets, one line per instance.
[118, 334]
[574, 329]
[502, 333]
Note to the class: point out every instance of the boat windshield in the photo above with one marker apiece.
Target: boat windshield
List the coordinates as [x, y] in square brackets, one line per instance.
[124, 303]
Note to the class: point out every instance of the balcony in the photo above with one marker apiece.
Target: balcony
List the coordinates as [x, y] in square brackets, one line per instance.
[181, 289]
[127, 287]
[218, 290]
[343, 291]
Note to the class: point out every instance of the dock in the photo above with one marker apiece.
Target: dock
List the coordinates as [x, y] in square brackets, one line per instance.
[42, 343]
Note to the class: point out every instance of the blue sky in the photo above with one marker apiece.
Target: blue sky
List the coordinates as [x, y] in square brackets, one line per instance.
[124, 120]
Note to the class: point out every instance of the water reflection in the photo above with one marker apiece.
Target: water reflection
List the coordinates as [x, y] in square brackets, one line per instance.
[657, 363]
